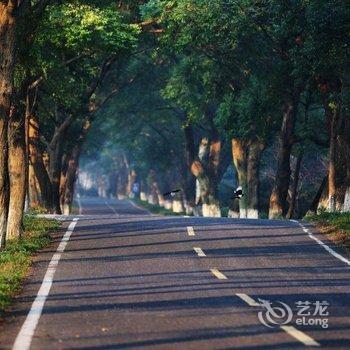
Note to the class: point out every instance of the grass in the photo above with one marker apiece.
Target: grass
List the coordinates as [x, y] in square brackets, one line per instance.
[37, 209]
[336, 225]
[16, 258]
[155, 209]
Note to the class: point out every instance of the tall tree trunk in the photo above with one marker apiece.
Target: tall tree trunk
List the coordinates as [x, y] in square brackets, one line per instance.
[279, 193]
[344, 146]
[188, 184]
[331, 164]
[33, 189]
[316, 200]
[55, 167]
[204, 168]
[198, 170]
[153, 187]
[33, 193]
[131, 180]
[346, 204]
[36, 161]
[71, 177]
[143, 189]
[7, 60]
[122, 183]
[212, 207]
[190, 179]
[253, 166]
[17, 164]
[294, 193]
[342, 165]
[63, 180]
[233, 211]
[239, 155]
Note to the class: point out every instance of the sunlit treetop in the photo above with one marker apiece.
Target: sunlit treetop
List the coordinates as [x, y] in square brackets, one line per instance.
[86, 31]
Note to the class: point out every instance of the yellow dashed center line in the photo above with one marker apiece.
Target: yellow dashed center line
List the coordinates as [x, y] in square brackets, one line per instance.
[218, 274]
[190, 231]
[199, 251]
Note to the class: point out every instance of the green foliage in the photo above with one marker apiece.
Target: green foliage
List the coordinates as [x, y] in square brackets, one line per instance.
[251, 113]
[15, 259]
[87, 30]
[244, 61]
[72, 42]
[151, 9]
[137, 123]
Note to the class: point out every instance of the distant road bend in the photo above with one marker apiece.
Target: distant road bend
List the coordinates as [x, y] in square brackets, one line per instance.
[119, 278]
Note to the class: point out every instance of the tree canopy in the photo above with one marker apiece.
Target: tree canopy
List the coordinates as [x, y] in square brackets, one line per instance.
[201, 95]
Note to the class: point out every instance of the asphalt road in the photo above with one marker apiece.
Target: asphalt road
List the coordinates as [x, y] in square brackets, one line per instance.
[130, 280]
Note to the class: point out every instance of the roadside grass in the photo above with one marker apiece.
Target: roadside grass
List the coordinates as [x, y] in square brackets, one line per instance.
[16, 258]
[37, 209]
[155, 209]
[336, 225]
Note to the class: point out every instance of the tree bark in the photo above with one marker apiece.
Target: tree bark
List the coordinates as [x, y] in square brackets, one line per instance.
[315, 202]
[213, 206]
[294, 193]
[279, 193]
[122, 183]
[190, 179]
[63, 180]
[55, 150]
[344, 147]
[239, 155]
[144, 190]
[204, 168]
[71, 177]
[36, 161]
[331, 168]
[346, 204]
[131, 180]
[332, 187]
[233, 211]
[33, 189]
[7, 60]
[55, 166]
[253, 166]
[17, 165]
[153, 187]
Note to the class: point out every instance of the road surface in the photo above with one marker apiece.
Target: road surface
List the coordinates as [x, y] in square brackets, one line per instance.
[125, 279]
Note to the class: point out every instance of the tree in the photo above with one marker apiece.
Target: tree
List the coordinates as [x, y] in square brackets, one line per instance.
[85, 42]
[8, 23]
[12, 30]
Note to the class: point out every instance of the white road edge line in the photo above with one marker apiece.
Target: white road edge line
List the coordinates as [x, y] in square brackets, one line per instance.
[218, 274]
[139, 207]
[291, 330]
[190, 231]
[25, 335]
[301, 336]
[250, 301]
[199, 251]
[324, 245]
